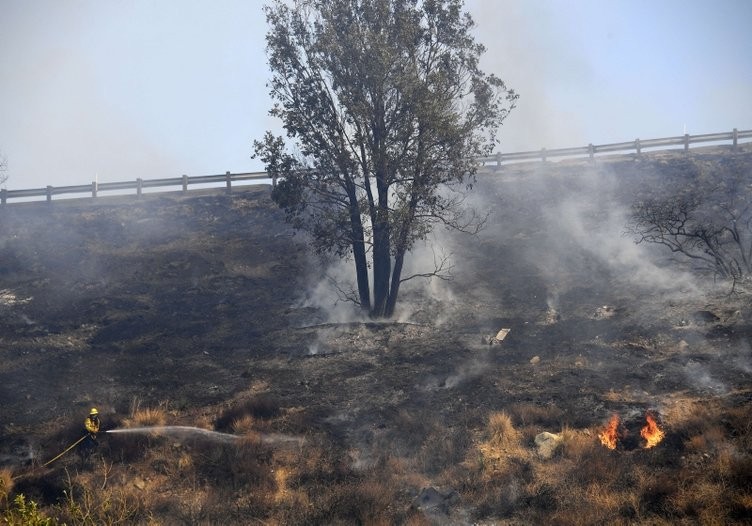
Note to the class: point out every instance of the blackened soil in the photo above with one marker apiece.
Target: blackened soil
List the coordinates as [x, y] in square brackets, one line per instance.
[196, 302]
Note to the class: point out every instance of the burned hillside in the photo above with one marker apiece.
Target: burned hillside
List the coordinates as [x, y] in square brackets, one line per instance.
[205, 310]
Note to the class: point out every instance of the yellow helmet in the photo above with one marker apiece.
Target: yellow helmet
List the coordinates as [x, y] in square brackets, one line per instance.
[93, 411]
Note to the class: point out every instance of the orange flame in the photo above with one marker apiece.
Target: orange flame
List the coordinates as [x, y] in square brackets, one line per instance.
[651, 432]
[610, 435]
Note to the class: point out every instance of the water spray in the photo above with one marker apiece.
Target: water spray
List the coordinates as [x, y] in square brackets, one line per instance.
[196, 432]
[181, 431]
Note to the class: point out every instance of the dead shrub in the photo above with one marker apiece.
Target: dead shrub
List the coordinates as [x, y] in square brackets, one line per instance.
[499, 497]
[261, 409]
[577, 445]
[353, 500]
[733, 466]
[243, 425]
[692, 418]
[130, 447]
[503, 451]
[703, 500]
[594, 464]
[501, 431]
[376, 497]
[6, 485]
[739, 422]
[706, 441]
[145, 417]
[240, 463]
[653, 490]
[89, 500]
[441, 449]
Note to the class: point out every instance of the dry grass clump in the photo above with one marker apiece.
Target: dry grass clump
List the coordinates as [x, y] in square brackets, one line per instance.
[145, 417]
[691, 417]
[133, 447]
[501, 456]
[243, 425]
[261, 409]
[704, 500]
[706, 441]
[501, 431]
[578, 445]
[739, 420]
[6, 485]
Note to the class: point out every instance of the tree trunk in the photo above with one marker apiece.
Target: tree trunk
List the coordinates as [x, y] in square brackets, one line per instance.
[381, 268]
[394, 288]
[359, 253]
[358, 244]
[382, 261]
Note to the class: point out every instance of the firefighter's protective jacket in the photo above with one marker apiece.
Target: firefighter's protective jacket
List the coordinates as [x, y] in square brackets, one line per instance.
[92, 424]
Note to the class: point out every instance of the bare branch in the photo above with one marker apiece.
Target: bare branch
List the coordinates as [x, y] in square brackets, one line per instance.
[442, 269]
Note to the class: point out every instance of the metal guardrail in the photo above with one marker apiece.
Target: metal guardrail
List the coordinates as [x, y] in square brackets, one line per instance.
[139, 185]
[637, 146]
[488, 162]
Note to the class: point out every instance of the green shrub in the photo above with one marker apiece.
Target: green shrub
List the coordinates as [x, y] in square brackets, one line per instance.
[23, 513]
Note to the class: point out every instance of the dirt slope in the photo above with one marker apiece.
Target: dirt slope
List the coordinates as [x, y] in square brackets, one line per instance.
[203, 303]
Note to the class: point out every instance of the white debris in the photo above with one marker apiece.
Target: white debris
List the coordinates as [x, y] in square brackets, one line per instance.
[500, 336]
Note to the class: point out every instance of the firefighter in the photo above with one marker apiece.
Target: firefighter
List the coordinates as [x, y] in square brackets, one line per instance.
[92, 428]
[92, 423]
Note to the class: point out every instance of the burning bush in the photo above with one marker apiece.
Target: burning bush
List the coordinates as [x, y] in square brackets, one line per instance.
[651, 432]
[614, 433]
[609, 437]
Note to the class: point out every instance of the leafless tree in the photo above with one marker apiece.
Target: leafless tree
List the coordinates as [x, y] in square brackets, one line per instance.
[709, 224]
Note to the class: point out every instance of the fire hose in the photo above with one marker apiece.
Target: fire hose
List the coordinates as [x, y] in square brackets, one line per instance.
[74, 444]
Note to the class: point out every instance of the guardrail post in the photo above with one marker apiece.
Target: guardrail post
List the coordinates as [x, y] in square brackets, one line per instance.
[686, 142]
[139, 186]
[3, 196]
[228, 178]
[736, 136]
[94, 188]
[543, 154]
[185, 183]
[591, 151]
[637, 146]
[49, 193]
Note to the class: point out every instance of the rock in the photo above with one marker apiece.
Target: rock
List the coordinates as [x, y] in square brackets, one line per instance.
[535, 360]
[547, 444]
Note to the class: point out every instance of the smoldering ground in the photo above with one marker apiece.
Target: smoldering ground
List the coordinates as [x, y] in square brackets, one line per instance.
[556, 241]
[218, 317]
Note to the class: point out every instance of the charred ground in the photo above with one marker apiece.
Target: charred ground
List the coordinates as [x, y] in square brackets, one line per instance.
[201, 306]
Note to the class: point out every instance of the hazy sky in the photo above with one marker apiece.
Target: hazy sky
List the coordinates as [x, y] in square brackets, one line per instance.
[120, 89]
